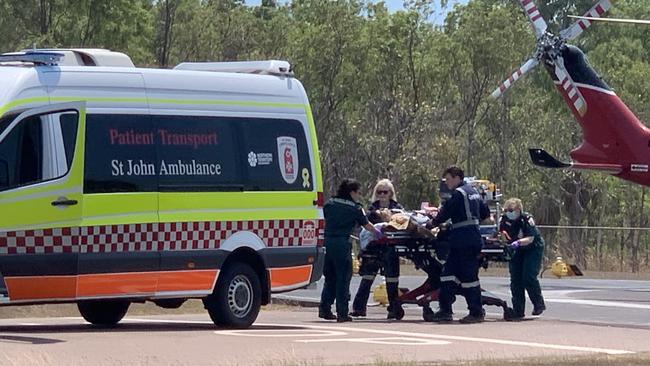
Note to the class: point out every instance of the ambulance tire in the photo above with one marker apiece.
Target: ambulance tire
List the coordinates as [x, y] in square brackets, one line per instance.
[103, 312]
[236, 301]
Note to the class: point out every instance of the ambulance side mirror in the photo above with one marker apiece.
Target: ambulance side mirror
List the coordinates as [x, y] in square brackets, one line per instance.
[4, 174]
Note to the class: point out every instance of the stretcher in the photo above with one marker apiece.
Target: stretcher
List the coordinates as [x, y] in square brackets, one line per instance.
[429, 254]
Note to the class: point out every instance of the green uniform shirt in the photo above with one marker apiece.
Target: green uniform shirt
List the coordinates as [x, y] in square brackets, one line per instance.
[524, 226]
[342, 216]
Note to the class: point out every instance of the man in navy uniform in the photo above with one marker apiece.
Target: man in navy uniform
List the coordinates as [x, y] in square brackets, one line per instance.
[460, 272]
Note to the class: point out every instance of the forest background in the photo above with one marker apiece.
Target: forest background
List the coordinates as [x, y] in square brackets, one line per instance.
[394, 95]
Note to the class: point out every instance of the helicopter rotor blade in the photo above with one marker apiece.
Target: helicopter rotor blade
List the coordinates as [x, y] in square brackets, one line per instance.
[516, 75]
[612, 20]
[570, 87]
[538, 23]
[576, 29]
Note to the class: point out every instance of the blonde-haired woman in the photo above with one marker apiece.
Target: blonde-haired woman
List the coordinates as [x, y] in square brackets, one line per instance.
[526, 262]
[383, 196]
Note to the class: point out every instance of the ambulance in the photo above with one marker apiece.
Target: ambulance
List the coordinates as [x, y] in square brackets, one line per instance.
[121, 184]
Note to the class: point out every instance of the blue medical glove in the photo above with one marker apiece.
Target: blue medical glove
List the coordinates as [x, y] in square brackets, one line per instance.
[515, 244]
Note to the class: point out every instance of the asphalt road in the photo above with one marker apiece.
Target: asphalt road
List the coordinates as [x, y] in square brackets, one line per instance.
[593, 301]
[584, 318]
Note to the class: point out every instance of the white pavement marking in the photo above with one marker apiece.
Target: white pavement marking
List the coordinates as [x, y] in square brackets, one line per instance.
[612, 304]
[398, 341]
[280, 333]
[169, 321]
[562, 297]
[460, 338]
[419, 335]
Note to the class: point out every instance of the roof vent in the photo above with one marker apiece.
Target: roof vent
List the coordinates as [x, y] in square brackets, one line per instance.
[270, 67]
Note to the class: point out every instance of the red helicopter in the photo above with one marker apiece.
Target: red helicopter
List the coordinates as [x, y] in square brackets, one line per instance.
[614, 140]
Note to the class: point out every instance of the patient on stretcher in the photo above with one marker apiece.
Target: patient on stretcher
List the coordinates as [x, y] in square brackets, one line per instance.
[406, 236]
[379, 218]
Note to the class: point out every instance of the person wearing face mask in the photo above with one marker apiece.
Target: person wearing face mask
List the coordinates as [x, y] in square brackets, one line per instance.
[526, 262]
[342, 214]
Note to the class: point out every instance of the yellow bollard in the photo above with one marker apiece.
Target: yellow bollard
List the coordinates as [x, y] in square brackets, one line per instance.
[380, 295]
[559, 268]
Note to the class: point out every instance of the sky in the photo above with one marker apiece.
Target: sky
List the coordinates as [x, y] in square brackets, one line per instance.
[394, 5]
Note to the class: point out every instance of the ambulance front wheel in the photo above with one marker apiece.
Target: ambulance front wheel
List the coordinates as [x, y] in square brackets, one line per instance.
[103, 312]
[237, 298]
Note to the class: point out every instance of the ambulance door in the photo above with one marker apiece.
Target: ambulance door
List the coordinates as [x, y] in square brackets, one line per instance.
[119, 255]
[41, 166]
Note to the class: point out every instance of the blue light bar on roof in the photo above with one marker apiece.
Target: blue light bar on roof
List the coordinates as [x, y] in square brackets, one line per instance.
[36, 57]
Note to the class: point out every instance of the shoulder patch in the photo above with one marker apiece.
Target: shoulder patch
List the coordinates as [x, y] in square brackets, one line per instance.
[531, 222]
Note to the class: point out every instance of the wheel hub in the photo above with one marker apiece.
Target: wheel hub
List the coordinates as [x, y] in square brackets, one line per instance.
[240, 296]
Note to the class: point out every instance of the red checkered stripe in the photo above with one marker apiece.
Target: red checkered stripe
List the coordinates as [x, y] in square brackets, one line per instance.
[152, 237]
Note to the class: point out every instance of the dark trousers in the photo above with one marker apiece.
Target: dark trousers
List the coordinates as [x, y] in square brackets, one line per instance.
[460, 272]
[338, 273]
[372, 261]
[524, 268]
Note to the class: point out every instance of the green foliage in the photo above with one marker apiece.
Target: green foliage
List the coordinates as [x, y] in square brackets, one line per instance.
[395, 96]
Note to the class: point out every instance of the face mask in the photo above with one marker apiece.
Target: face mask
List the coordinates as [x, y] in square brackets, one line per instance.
[512, 215]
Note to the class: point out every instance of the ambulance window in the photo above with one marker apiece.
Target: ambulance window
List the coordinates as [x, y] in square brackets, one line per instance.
[197, 154]
[21, 154]
[5, 122]
[276, 155]
[69, 131]
[36, 150]
[120, 154]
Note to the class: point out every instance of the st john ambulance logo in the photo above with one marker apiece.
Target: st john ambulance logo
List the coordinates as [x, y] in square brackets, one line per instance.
[288, 158]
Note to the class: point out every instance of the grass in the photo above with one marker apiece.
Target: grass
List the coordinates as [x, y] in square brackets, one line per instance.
[641, 359]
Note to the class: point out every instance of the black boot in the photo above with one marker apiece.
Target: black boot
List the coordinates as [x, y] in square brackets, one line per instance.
[427, 314]
[327, 315]
[357, 313]
[343, 319]
[395, 311]
[441, 317]
[473, 318]
[539, 309]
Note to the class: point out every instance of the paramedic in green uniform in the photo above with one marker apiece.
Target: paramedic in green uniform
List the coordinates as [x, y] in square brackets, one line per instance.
[342, 214]
[526, 262]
